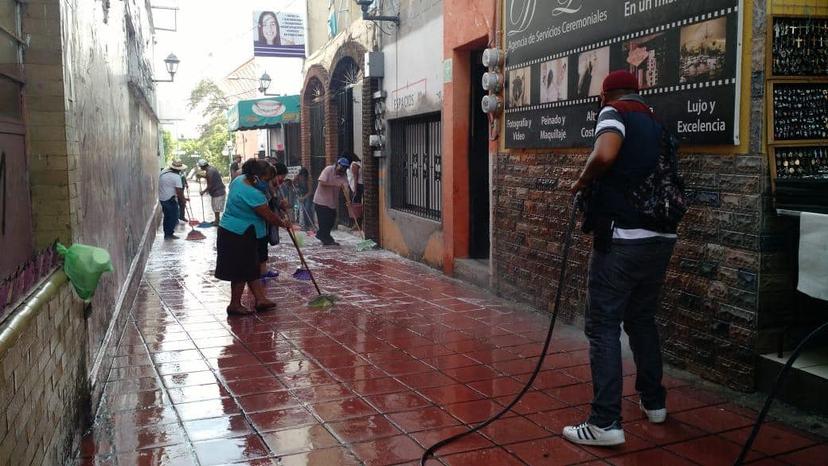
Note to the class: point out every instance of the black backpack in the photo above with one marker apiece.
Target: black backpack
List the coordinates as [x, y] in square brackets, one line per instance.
[659, 198]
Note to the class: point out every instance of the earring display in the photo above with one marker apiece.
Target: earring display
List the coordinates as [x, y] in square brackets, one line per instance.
[800, 111]
[802, 163]
[800, 46]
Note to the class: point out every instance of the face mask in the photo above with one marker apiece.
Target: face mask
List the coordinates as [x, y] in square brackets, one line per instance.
[260, 185]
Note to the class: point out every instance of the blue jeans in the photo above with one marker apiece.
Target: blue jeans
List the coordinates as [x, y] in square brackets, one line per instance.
[624, 286]
[170, 209]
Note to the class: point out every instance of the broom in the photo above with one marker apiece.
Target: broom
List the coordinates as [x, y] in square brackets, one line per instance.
[365, 244]
[193, 221]
[323, 300]
[193, 235]
[205, 223]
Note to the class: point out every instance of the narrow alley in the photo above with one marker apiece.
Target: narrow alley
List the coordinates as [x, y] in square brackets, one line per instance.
[405, 358]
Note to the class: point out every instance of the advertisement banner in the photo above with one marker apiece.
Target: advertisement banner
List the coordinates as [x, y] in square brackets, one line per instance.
[685, 54]
[278, 34]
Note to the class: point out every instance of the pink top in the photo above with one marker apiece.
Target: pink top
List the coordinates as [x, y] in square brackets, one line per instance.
[328, 195]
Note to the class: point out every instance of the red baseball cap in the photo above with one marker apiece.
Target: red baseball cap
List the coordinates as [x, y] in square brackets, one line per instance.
[620, 80]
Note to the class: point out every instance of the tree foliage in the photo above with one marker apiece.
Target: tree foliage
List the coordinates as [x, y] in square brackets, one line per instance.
[169, 145]
[214, 136]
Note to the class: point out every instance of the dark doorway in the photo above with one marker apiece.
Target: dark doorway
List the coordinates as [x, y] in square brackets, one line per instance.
[478, 165]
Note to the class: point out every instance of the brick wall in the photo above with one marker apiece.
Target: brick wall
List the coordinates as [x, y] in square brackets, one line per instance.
[43, 386]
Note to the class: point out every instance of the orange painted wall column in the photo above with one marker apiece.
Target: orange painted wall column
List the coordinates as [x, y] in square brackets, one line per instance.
[467, 26]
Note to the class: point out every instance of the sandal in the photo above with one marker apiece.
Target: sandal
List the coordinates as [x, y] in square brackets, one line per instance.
[241, 311]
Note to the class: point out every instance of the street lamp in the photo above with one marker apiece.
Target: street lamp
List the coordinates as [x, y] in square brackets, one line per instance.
[171, 62]
[264, 83]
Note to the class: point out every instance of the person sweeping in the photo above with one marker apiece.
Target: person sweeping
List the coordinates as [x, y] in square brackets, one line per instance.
[241, 234]
[332, 180]
[215, 187]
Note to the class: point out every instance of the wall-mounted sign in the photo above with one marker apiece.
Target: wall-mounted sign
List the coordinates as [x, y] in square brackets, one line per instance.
[278, 34]
[686, 55]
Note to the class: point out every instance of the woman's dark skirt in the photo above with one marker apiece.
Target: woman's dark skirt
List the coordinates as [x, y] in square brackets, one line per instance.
[238, 256]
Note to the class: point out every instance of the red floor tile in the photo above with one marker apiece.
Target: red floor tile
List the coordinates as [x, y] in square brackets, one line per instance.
[572, 395]
[268, 421]
[532, 402]
[422, 419]
[772, 439]
[551, 451]
[713, 419]
[389, 450]
[490, 456]
[325, 457]
[207, 409]
[395, 402]
[187, 379]
[363, 429]
[471, 374]
[651, 457]
[338, 410]
[268, 401]
[633, 444]
[669, 432]
[198, 393]
[513, 430]
[223, 451]
[473, 441]
[710, 451]
[299, 439]
[322, 393]
[251, 386]
[427, 380]
[811, 456]
[472, 412]
[158, 415]
[148, 437]
[498, 387]
[219, 427]
[378, 386]
[449, 394]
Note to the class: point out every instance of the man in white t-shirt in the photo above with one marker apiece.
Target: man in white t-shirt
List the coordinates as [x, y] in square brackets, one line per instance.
[331, 181]
[170, 194]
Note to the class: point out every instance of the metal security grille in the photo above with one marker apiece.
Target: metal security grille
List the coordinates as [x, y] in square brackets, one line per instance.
[317, 140]
[416, 165]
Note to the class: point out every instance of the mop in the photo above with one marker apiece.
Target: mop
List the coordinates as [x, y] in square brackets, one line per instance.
[365, 244]
[205, 223]
[323, 300]
[193, 235]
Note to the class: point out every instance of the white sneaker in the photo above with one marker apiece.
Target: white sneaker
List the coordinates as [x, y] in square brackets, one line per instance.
[656, 416]
[590, 434]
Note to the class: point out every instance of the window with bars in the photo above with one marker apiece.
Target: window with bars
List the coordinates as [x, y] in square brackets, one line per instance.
[416, 165]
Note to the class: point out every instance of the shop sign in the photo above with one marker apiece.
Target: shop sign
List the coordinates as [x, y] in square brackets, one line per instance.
[686, 55]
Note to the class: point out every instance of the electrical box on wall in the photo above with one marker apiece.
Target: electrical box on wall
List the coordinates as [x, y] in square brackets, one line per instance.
[374, 65]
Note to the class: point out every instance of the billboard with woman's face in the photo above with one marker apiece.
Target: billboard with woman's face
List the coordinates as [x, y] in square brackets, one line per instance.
[278, 34]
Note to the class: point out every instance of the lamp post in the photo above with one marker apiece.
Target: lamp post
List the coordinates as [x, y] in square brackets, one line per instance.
[264, 83]
[171, 63]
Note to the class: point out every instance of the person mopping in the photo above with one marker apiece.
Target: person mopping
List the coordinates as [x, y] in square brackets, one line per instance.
[215, 187]
[332, 181]
[278, 207]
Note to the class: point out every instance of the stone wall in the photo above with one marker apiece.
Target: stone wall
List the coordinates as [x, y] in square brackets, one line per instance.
[43, 384]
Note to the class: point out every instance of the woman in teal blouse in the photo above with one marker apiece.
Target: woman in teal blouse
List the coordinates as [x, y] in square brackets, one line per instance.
[242, 227]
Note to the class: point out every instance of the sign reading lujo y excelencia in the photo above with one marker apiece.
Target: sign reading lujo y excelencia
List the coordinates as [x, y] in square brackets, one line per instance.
[685, 53]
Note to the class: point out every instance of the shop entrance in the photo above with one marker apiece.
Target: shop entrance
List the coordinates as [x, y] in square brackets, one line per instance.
[478, 165]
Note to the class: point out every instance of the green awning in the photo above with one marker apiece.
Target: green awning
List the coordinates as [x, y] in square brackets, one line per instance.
[269, 112]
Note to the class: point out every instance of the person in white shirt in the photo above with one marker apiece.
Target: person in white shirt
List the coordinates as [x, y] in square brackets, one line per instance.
[170, 194]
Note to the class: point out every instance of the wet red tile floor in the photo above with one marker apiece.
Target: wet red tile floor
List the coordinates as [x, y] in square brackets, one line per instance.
[406, 357]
